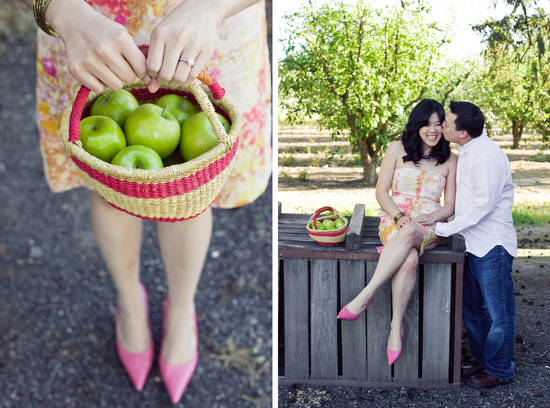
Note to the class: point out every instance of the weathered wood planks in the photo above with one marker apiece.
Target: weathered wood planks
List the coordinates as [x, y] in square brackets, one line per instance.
[319, 281]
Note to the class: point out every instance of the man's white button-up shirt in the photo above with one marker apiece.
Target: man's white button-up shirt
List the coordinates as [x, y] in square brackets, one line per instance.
[484, 198]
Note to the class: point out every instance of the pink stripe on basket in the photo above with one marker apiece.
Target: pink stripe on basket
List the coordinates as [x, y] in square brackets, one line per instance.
[159, 218]
[162, 190]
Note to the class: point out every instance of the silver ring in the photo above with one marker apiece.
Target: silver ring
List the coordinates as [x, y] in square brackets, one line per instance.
[190, 61]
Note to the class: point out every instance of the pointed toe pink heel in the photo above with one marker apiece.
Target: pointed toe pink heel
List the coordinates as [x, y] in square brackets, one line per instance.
[137, 365]
[393, 355]
[345, 314]
[177, 377]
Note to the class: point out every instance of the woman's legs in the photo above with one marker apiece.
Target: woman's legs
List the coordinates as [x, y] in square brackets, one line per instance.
[118, 237]
[184, 246]
[391, 259]
[402, 286]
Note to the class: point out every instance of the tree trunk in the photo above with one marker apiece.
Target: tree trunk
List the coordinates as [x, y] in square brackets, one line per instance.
[517, 131]
[369, 164]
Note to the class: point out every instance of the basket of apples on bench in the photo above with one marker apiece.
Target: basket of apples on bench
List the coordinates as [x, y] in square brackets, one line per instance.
[328, 229]
[160, 156]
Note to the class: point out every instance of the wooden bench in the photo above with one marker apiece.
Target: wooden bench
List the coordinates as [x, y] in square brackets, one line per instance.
[316, 281]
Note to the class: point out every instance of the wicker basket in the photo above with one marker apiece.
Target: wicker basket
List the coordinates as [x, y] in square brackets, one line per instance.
[330, 237]
[174, 193]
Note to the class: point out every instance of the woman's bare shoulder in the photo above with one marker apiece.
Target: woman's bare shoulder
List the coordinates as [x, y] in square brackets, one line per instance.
[395, 147]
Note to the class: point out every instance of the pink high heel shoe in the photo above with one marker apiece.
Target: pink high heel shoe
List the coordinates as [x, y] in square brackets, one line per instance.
[345, 314]
[177, 377]
[393, 355]
[137, 365]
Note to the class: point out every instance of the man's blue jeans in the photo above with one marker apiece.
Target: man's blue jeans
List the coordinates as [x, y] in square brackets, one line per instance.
[489, 310]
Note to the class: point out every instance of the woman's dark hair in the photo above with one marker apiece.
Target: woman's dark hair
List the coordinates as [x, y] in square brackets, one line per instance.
[420, 117]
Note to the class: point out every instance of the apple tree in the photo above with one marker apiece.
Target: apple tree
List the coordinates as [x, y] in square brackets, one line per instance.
[518, 66]
[359, 71]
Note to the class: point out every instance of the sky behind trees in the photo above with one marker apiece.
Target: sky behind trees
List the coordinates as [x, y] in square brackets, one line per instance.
[467, 12]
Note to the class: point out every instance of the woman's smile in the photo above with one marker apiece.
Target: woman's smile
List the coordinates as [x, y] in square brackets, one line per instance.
[433, 137]
[431, 133]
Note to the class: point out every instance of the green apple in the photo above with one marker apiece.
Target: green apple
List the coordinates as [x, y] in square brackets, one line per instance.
[197, 135]
[138, 157]
[152, 126]
[181, 108]
[102, 137]
[328, 223]
[115, 104]
[339, 223]
[173, 159]
[318, 224]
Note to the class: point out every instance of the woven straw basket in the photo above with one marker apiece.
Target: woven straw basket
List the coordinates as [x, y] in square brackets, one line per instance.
[330, 237]
[174, 193]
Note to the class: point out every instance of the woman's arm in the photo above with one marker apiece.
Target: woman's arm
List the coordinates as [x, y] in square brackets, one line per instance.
[190, 30]
[448, 208]
[385, 178]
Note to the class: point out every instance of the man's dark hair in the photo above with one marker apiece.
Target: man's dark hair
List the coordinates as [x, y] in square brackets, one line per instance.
[468, 117]
[420, 117]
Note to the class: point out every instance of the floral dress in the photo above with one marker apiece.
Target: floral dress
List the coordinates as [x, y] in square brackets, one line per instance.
[240, 64]
[414, 192]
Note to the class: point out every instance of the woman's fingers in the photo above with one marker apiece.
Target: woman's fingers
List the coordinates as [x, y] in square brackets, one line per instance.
[189, 31]
[136, 60]
[401, 222]
[424, 219]
[185, 73]
[154, 85]
[91, 82]
[100, 52]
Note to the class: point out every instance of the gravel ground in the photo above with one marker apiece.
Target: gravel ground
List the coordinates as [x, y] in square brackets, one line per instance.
[57, 344]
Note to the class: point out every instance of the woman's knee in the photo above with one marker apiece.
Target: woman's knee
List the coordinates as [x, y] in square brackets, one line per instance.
[411, 232]
[411, 262]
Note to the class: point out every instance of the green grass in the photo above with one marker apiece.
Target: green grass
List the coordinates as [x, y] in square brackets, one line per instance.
[369, 212]
[287, 161]
[523, 213]
[529, 213]
[302, 176]
[286, 176]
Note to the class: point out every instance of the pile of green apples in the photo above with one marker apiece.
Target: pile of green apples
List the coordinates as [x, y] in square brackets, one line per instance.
[149, 136]
[328, 224]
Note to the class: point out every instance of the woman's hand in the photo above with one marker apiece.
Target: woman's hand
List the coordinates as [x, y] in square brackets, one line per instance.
[404, 220]
[100, 52]
[189, 31]
[425, 219]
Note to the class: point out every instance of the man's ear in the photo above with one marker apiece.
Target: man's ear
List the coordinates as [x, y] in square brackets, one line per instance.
[465, 137]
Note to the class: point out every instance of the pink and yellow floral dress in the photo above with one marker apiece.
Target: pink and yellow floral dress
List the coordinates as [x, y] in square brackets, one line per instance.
[240, 64]
[414, 192]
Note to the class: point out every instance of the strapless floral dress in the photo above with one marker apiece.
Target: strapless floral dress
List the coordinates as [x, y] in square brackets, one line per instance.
[414, 192]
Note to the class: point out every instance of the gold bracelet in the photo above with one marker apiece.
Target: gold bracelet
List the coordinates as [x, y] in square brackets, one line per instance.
[39, 9]
[398, 216]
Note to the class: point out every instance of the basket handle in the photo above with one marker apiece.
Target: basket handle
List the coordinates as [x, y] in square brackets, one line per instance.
[82, 97]
[318, 212]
